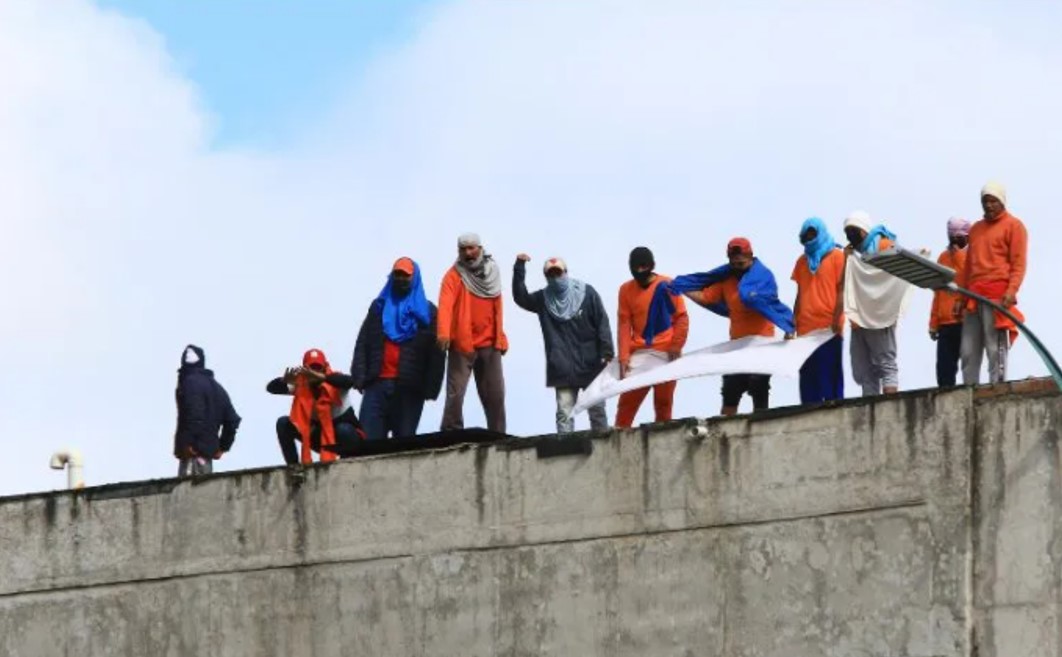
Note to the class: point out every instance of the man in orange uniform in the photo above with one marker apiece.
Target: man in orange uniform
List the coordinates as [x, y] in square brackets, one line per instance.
[744, 322]
[945, 320]
[995, 269]
[819, 276]
[471, 330]
[635, 297]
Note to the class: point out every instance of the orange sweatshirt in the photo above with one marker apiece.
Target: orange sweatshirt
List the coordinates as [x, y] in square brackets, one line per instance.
[459, 321]
[634, 310]
[743, 321]
[997, 252]
[943, 311]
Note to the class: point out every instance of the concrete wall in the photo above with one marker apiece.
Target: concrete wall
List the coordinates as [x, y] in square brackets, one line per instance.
[923, 525]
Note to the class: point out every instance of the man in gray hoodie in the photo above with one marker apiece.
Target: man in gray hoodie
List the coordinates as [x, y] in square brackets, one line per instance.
[576, 334]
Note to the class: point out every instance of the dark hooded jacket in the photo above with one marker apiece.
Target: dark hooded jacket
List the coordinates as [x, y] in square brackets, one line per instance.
[204, 410]
[576, 349]
[421, 363]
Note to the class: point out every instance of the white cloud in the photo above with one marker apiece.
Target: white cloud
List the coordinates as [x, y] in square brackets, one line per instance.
[557, 128]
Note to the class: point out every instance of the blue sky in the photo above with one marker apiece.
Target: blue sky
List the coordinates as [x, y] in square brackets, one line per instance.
[264, 66]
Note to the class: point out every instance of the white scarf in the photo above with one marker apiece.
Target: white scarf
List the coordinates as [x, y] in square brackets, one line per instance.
[873, 298]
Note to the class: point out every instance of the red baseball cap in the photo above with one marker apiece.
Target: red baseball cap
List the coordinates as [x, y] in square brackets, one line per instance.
[314, 357]
[739, 246]
[404, 265]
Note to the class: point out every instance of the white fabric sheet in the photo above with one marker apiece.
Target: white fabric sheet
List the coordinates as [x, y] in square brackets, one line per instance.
[873, 298]
[752, 355]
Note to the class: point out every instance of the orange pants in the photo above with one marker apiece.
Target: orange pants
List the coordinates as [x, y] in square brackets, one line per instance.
[630, 402]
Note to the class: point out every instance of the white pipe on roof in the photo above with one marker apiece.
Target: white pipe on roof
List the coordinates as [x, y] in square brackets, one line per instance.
[72, 461]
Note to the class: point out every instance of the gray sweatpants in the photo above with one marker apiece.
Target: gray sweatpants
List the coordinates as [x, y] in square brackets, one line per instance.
[874, 359]
[980, 335]
[486, 364]
[195, 467]
[566, 398]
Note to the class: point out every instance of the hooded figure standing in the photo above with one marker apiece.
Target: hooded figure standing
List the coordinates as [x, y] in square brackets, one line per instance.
[470, 328]
[945, 319]
[662, 334]
[576, 334]
[995, 269]
[203, 409]
[819, 305]
[396, 365]
[873, 301]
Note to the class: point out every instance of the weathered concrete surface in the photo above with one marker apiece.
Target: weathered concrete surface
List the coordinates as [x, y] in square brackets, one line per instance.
[922, 525]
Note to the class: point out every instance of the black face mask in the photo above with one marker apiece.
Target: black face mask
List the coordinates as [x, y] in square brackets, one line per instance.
[642, 276]
[854, 237]
[959, 241]
[401, 288]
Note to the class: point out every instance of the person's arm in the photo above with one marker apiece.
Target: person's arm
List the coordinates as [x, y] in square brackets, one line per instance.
[359, 364]
[1018, 250]
[707, 297]
[601, 326]
[623, 330]
[530, 302]
[447, 299]
[280, 386]
[229, 425]
[934, 323]
[435, 365]
[340, 380]
[838, 306]
[680, 323]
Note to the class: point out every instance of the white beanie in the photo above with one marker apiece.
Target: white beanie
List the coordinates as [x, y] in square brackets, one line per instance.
[995, 189]
[469, 239]
[858, 219]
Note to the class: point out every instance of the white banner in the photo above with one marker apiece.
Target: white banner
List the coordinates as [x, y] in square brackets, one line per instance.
[752, 355]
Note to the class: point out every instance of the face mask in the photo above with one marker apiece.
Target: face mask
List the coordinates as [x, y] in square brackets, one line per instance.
[642, 277]
[558, 284]
[959, 241]
[401, 287]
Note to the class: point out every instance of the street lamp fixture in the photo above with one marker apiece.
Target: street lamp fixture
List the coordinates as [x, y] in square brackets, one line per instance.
[923, 272]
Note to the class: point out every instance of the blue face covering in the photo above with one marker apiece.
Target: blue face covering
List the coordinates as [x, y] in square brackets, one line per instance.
[820, 247]
[558, 284]
[564, 296]
[404, 314]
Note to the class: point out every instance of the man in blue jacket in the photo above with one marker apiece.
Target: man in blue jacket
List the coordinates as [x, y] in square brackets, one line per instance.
[203, 410]
[576, 334]
[396, 364]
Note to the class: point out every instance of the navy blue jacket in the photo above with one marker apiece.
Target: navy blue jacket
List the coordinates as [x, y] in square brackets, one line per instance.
[204, 411]
[576, 349]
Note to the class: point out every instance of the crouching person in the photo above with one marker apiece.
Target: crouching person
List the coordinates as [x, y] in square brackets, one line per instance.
[203, 409]
[396, 365]
[321, 413]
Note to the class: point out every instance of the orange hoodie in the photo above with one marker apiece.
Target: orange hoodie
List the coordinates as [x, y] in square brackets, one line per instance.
[634, 301]
[997, 252]
[458, 308]
[943, 311]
